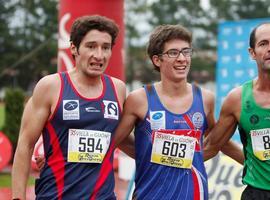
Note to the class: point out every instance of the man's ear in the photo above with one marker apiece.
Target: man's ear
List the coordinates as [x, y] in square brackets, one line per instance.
[156, 60]
[73, 49]
[252, 53]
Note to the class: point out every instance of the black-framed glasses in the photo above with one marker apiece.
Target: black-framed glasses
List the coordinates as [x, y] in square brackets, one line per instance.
[174, 53]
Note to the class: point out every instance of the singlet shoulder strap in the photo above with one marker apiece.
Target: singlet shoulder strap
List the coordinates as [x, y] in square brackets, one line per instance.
[196, 87]
[247, 99]
[246, 96]
[197, 94]
[64, 77]
[149, 90]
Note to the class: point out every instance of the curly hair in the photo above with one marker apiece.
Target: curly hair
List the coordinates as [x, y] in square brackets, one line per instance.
[83, 25]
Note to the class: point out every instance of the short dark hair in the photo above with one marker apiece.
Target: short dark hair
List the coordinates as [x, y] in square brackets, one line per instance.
[252, 38]
[83, 25]
[164, 33]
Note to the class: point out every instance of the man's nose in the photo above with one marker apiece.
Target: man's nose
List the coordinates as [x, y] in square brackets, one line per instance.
[181, 56]
[98, 53]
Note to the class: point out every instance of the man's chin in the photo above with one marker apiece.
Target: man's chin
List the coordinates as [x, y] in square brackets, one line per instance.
[266, 67]
[94, 71]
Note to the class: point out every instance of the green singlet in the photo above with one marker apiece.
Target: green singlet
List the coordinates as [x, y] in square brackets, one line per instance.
[254, 128]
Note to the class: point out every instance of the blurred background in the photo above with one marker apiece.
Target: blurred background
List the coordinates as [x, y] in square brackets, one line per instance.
[29, 49]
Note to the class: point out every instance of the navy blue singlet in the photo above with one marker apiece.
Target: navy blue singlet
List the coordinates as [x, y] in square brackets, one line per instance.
[157, 181]
[61, 179]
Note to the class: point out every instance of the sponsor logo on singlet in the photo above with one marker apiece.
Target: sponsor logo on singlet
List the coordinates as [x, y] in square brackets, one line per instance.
[197, 119]
[71, 110]
[70, 105]
[179, 121]
[157, 120]
[266, 117]
[92, 110]
[157, 116]
[111, 110]
[254, 119]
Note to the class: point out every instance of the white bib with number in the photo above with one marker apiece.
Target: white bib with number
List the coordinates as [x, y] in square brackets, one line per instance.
[87, 146]
[261, 143]
[175, 150]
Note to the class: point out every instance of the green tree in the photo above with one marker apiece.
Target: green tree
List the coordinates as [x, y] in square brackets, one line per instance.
[135, 50]
[14, 101]
[32, 29]
[6, 40]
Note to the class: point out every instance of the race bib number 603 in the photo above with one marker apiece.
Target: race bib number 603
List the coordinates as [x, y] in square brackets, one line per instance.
[87, 146]
[175, 150]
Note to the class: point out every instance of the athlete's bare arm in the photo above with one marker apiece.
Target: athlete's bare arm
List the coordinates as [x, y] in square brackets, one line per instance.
[218, 137]
[127, 145]
[36, 113]
[135, 108]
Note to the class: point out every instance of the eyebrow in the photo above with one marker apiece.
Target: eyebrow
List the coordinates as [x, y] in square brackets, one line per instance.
[262, 41]
[95, 42]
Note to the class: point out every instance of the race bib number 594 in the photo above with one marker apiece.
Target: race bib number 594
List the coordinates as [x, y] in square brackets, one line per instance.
[175, 150]
[87, 146]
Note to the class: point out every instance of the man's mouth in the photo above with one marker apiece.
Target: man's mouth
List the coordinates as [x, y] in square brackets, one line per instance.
[96, 65]
[267, 57]
[183, 67]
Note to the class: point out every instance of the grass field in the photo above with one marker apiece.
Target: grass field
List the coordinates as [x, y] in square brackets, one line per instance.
[2, 115]
[6, 180]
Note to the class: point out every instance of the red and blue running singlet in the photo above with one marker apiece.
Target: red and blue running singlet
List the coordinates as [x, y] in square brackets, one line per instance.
[77, 145]
[169, 158]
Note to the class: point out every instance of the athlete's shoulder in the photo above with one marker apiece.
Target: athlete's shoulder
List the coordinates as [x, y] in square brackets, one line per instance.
[208, 99]
[118, 83]
[235, 94]
[49, 82]
[46, 90]
[137, 94]
[137, 98]
[207, 94]
[136, 103]
[232, 102]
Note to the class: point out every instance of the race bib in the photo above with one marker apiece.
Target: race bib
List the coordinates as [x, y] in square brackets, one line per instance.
[261, 143]
[87, 146]
[174, 148]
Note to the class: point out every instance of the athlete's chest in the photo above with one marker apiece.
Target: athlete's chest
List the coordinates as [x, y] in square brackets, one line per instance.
[73, 109]
[262, 99]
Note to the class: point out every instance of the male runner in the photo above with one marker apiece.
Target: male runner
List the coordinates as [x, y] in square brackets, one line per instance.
[77, 112]
[248, 106]
[171, 118]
